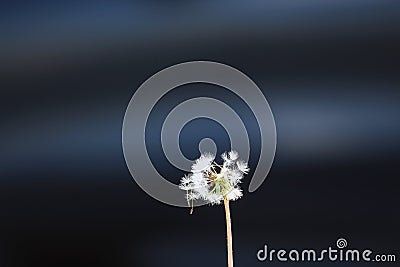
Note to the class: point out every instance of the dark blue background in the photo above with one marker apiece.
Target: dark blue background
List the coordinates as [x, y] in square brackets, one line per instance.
[329, 69]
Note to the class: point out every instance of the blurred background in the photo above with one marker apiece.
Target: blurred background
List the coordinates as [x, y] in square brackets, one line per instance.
[329, 69]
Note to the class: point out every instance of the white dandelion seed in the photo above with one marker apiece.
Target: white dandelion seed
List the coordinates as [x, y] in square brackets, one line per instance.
[198, 179]
[233, 155]
[229, 158]
[235, 194]
[186, 183]
[242, 166]
[192, 196]
[225, 156]
[202, 192]
[212, 182]
[214, 198]
[234, 177]
[203, 163]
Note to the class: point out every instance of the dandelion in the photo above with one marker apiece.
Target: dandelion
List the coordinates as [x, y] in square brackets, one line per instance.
[215, 184]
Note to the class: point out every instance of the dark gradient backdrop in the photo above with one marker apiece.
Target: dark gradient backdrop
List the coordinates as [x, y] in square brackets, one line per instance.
[329, 69]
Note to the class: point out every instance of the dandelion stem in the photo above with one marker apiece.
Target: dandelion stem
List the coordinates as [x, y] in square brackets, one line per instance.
[228, 232]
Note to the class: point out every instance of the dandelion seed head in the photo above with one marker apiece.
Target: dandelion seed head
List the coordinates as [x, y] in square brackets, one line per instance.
[212, 182]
